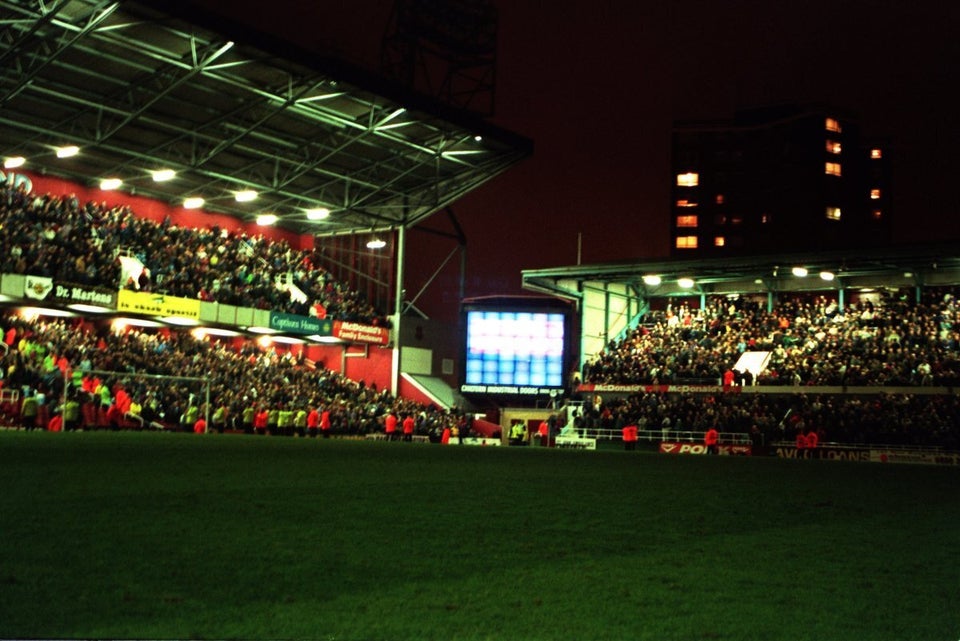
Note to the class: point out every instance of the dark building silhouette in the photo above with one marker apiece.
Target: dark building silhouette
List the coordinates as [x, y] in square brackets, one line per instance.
[777, 179]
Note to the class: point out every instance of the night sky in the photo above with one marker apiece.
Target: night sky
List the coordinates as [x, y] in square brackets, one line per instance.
[597, 85]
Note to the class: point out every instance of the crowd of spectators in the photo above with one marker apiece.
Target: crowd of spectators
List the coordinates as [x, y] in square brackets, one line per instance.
[891, 341]
[82, 243]
[900, 419]
[888, 340]
[241, 376]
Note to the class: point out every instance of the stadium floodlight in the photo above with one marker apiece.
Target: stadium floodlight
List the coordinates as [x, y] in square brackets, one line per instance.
[651, 279]
[31, 313]
[317, 338]
[317, 213]
[686, 283]
[12, 162]
[376, 243]
[194, 202]
[120, 324]
[89, 309]
[827, 275]
[245, 196]
[109, 184]
[68, 151]
[799, 272]
[163, 175]
[265, 220]
[261, 330]
[182, 321]
[203, 332]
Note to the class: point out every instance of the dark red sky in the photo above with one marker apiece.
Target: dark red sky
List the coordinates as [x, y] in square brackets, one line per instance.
[597, 85]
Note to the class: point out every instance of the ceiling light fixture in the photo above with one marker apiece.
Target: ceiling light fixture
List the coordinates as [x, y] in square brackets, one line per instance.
[265, 220]
[317, 213]
[376, 243]
[109, 184]
[68, 151]
[163, 175]
[194, 202]
[245, 196]
[13, 162]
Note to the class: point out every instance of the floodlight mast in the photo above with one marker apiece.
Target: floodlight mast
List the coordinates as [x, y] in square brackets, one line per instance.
[398, 309]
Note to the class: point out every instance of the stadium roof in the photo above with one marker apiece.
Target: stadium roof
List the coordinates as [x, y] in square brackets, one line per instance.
[903, 266]
[142, 85]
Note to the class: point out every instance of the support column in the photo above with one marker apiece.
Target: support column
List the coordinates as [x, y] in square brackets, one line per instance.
[398, 309]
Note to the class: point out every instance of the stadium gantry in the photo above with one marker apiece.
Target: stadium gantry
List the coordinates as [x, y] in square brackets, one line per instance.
[141, 86]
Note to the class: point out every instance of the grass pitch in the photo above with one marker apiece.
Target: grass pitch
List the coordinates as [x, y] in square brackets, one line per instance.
[147, 535]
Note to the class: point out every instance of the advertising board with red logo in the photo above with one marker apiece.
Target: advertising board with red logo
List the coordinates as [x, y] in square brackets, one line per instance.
[699, 448]
[357, 333]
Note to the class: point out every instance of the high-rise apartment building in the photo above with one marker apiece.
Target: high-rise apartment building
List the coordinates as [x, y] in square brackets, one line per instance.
[777, 179]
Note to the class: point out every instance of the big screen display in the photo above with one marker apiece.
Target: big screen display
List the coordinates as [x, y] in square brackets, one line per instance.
[520, 352]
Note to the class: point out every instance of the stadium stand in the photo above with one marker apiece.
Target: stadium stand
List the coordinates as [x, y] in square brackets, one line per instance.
[889, 341]
[894, 342]
[63, 360]
[91, 243]
[888, 350]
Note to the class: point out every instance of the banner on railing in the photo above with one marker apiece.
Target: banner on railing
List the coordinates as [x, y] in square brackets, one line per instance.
[655, 389]
[357, 333]
[306, 325]
[924, 458]
[37, 287]
[85, 295]
[575, 443]
[157, 304]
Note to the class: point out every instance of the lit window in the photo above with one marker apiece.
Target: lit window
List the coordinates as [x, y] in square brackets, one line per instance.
[833, 147]
[736, 220]
[719, 199]
[876, 154]
[720, 219]
[833, 169]
[832, 124]
[877, 214]
[686, 203]
[764, 219]
[833, 213]
[687, 221]
[689, 179]
[686, 242]
[874, 194]
[719, 241]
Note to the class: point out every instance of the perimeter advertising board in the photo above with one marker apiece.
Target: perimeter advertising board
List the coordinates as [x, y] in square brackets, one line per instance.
[157, 304]
[699, 448]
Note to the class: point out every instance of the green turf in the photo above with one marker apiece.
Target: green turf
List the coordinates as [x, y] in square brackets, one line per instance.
[177, 536]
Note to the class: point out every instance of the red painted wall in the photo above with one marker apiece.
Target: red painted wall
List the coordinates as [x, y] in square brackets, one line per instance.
[375, 367]
[158, 211]
[409, 390]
